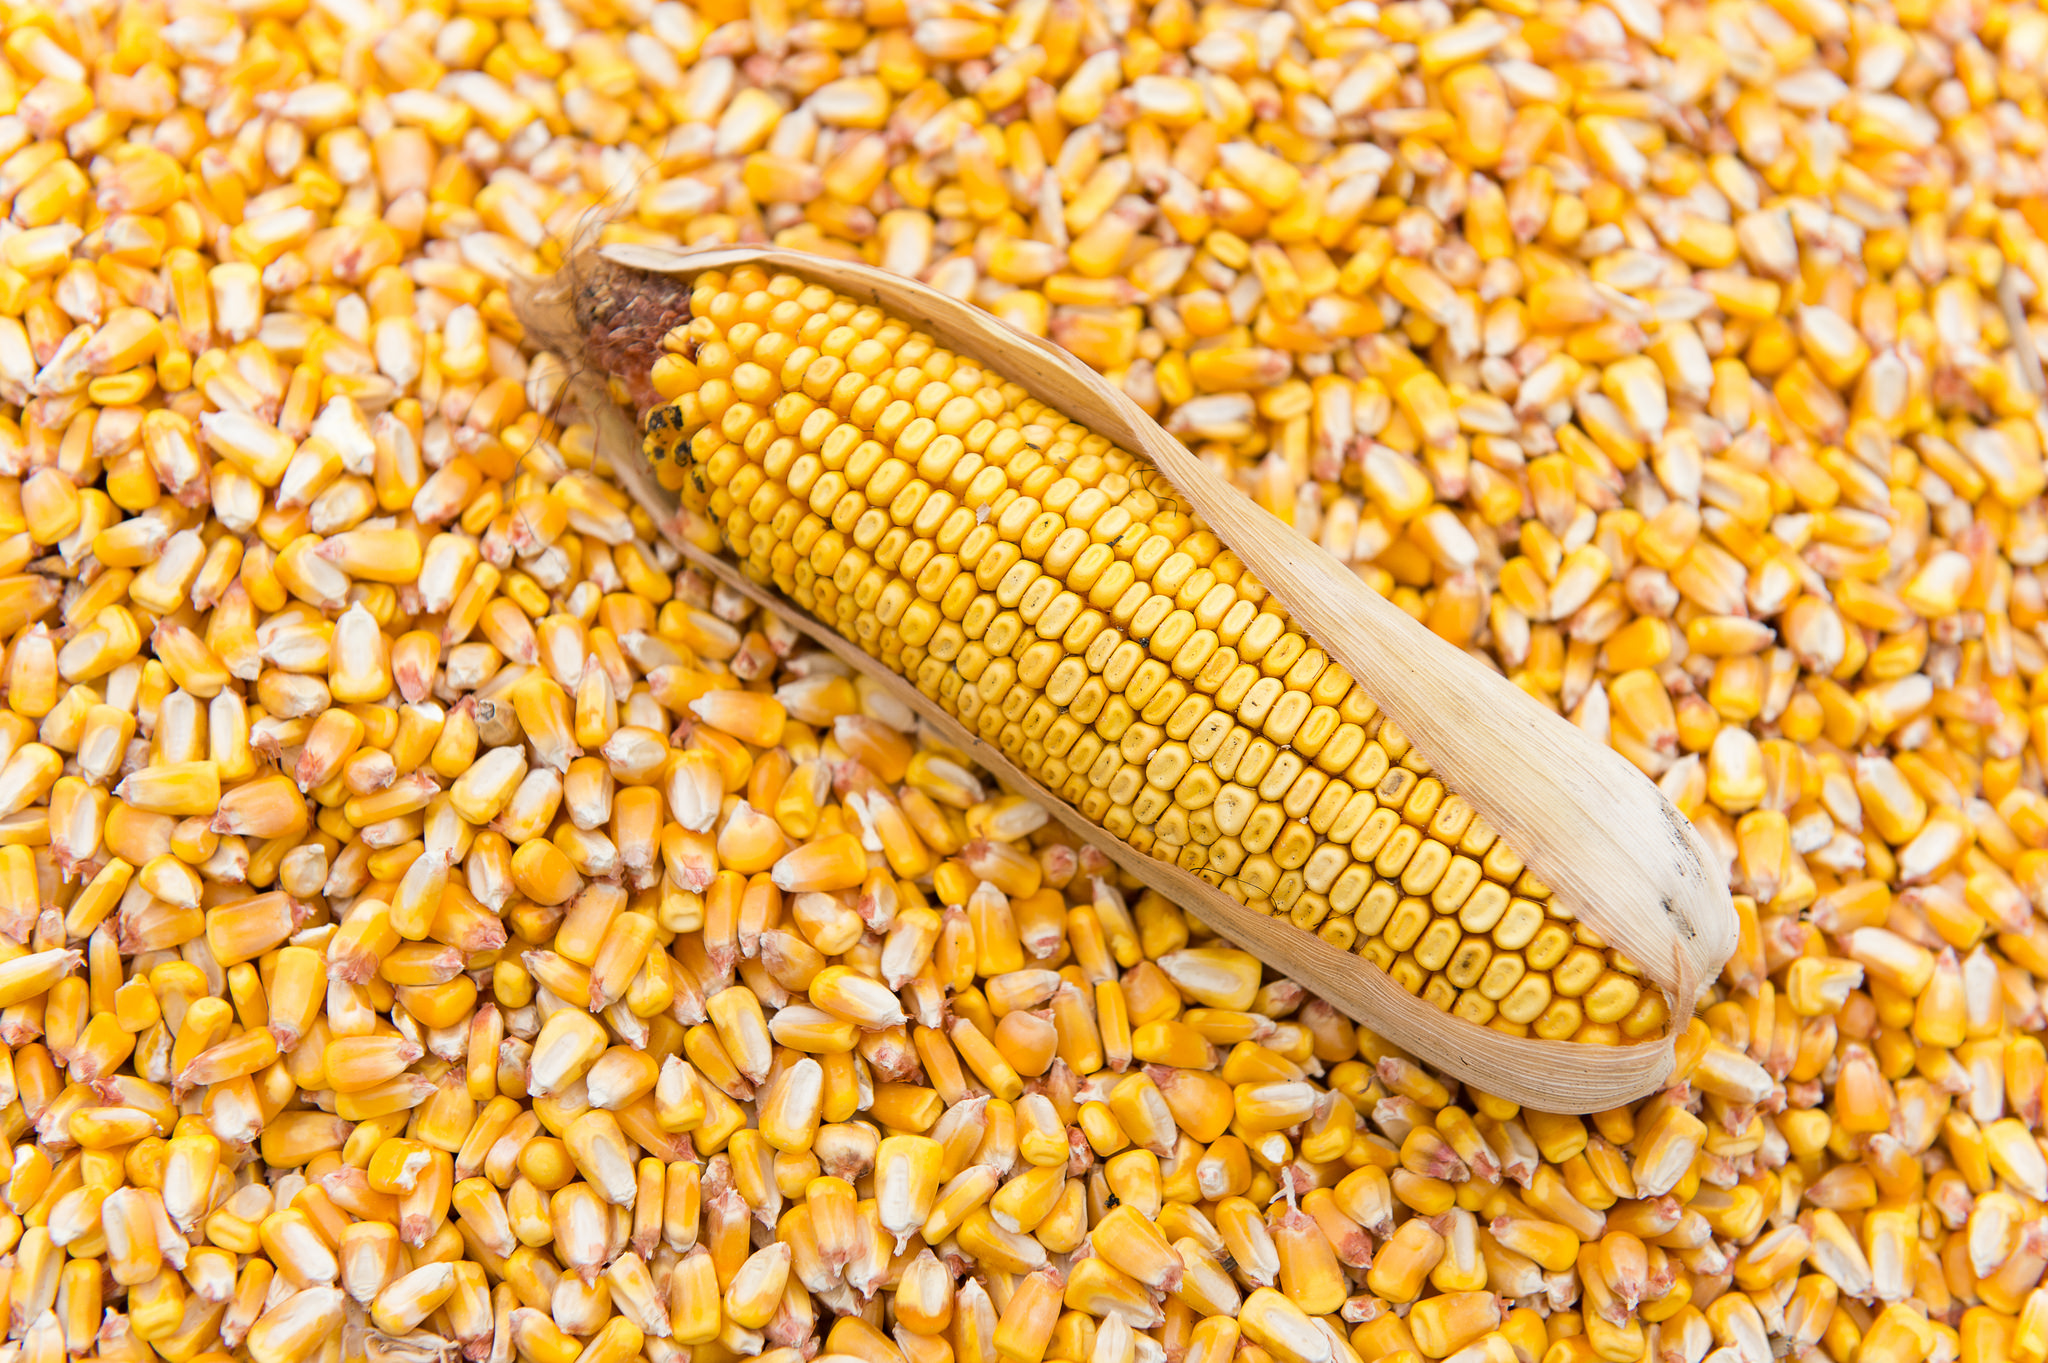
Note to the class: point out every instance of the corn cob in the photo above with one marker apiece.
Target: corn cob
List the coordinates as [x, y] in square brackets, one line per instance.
[1056, 595]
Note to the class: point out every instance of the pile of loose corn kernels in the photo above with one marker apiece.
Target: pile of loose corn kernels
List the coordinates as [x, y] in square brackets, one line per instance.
[432, 924]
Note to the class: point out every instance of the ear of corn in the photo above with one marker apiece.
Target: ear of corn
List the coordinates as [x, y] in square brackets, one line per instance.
[1057, 596]
[1679, 359]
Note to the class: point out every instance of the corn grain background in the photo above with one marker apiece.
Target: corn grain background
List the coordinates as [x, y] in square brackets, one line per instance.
[434, 925]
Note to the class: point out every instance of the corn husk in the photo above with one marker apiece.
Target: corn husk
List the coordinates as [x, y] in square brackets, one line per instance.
[1586, 821]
